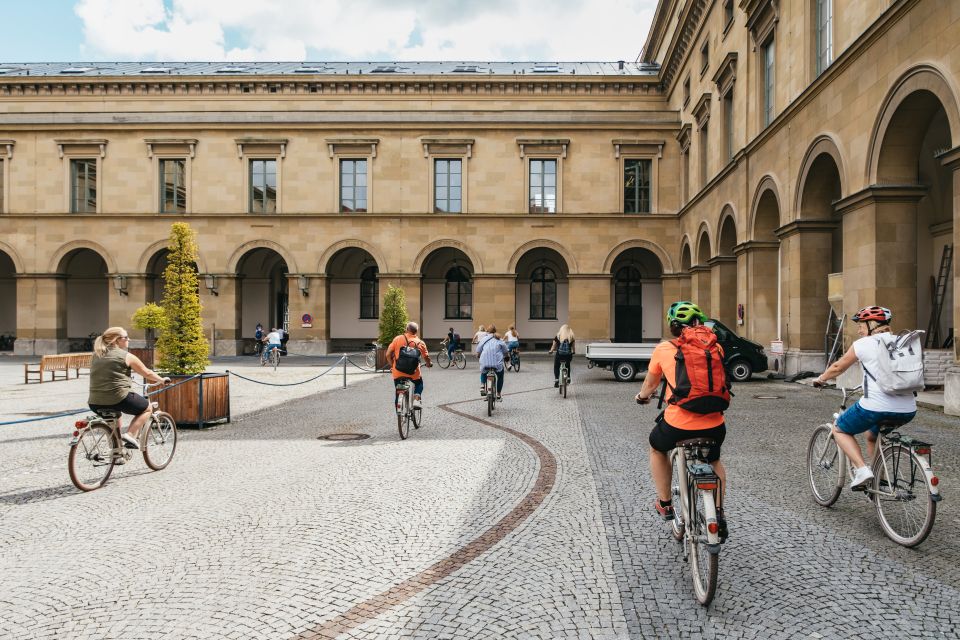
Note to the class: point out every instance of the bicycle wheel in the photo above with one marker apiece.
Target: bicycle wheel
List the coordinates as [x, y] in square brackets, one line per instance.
[403, 418]
[515, 361]
[904, 504]
[443, 358]
[275, 358]
[677, 525]
[826, 466]
[370, 360]
[703, 563]
[417, 416]
[491, 394]
[91, 459]
[160, 442]
[459, 360]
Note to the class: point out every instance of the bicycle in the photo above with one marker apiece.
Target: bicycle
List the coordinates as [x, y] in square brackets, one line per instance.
[271, 358]
[370, 360]
[514, 360]
[904, 489]
[696, 487]
[444, 359]
[406, 411]
[490, 389]
[564, 378]
[96, 446]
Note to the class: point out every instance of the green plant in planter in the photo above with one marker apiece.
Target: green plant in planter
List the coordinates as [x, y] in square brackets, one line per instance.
[181, 343]
[393, 316]
[150, 318]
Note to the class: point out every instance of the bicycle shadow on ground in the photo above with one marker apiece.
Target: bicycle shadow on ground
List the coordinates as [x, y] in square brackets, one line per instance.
[47, 494]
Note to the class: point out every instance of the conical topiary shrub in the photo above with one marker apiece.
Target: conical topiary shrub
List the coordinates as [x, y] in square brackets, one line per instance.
[181, 343]
[393, 317]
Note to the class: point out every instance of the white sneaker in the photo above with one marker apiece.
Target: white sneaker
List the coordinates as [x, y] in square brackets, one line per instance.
[417, 404]
[861, 476]
[130, 442]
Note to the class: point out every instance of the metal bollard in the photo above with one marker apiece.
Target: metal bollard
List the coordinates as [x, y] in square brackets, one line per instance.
[344, 358]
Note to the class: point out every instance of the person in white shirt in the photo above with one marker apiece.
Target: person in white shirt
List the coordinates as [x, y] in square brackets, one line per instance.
[491, 350]
[876, 405]
[273, 342]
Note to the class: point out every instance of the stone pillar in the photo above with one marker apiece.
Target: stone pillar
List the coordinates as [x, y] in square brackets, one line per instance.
[41, 314]
[806, 255]
[589, 308]
[122, 306]
[412, 291]
[880, 238]
[221, 313]
[315, 338]
[723, 289]
[700, 287]
[676, 286]
[759, 267]
[495, 300]
[951, 386]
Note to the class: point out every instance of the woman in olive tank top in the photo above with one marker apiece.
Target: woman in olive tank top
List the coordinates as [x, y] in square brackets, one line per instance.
[111, 382]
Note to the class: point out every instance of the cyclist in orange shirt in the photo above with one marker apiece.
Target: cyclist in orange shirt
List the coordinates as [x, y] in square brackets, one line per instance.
[677, 423]
[393, 351]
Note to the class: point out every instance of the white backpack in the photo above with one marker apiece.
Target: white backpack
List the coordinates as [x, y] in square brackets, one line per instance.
[900, 359]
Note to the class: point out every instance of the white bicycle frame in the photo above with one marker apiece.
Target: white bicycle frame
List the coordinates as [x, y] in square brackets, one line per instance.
[688, 504]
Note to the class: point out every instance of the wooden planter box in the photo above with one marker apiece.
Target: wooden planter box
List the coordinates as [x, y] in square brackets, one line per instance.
[199, 402]
[382, 359]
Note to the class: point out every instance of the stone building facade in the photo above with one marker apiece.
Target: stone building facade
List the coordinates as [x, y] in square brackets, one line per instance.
[770, 159]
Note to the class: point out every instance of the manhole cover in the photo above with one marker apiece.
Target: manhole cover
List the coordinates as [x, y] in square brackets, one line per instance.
[768, 397]
[344, 437]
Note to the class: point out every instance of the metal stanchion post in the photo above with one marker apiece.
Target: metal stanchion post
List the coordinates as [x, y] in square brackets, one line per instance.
[344, 371]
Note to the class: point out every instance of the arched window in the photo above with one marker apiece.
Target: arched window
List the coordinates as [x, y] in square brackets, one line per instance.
[369, 294]
[459, 294]
[543, 294]
[627, 288]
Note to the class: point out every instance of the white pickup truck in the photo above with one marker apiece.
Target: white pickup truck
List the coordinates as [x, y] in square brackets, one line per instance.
[625, 359]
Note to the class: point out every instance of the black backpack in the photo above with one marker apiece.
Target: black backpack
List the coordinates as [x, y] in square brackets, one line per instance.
[564, 348]
[408, 358]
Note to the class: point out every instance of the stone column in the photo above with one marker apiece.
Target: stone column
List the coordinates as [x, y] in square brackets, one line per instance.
[676, 286]
[122, 306]
[412, 291]
[315, 338]
[221, 313]
[951, 386]
[700, 287]
[495, 300]
[759, 269]
[806, 255]
[41, 314]
[723, 289]
[589, 308]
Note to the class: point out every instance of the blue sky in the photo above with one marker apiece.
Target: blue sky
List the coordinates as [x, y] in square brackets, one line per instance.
[336, 30]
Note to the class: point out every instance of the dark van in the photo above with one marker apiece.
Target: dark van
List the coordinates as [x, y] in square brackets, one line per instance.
[742, 357]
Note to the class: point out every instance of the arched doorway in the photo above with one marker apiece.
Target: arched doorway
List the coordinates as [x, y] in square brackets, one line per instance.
[700, 280]
[724, 273]
[447, 285]
[762, 313]
[354, 298]
[264, 293]
[637, 296]
[86, 297]
[542, 295]
[8, 302]
[917, 133]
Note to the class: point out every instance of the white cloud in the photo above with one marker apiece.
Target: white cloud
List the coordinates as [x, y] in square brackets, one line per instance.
[365, 29]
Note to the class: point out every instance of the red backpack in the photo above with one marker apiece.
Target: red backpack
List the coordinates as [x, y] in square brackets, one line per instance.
[701, 381]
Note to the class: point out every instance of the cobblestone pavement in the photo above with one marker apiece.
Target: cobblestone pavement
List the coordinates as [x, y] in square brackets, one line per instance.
[534, 523]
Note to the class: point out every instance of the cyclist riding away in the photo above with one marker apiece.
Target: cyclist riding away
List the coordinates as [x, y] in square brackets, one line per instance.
[273, 341]
[564, 346]
[876, 404]
[678, 423]
[111, 381]
[453, 342]
[404, 355]
[512, 339]
[491, 350]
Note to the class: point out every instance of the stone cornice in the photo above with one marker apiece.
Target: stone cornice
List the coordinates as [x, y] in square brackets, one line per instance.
[755, 245]
[701, 110]
[8, 146]
[699, 268]
[676, 276]
[726, 73]
[683, 137]
[718, 260]
[625, 145]
[805, 226]
[880, 193]
[949, 158]
[762, 17]
[678, 50]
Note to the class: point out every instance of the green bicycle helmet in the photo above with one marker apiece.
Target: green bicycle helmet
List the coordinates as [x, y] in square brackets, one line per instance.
[685, 312]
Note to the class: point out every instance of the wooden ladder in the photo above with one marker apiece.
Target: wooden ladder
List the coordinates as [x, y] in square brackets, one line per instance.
[939, 293]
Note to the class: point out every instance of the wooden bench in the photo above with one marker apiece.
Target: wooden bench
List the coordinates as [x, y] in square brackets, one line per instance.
[59, 363]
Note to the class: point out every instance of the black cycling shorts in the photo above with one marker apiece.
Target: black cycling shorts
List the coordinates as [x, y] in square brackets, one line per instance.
[663, 437]
[134, 404]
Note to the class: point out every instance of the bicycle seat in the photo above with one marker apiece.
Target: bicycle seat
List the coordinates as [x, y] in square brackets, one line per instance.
[886, 426]
[107, 414]
[696, 442]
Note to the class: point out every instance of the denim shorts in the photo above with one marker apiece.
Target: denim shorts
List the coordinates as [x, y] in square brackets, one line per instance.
[856, 419]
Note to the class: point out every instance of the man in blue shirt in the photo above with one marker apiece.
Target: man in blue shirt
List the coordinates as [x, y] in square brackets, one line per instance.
[491, 350]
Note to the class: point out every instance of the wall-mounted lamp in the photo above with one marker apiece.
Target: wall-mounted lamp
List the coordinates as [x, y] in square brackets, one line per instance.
[210, 281]
[304, 283]
[120, 284]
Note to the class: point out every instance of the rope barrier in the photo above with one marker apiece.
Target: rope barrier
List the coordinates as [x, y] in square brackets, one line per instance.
[363, 367]
[286, 384]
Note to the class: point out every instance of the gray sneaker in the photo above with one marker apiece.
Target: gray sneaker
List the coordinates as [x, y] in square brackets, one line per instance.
[130, 442]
